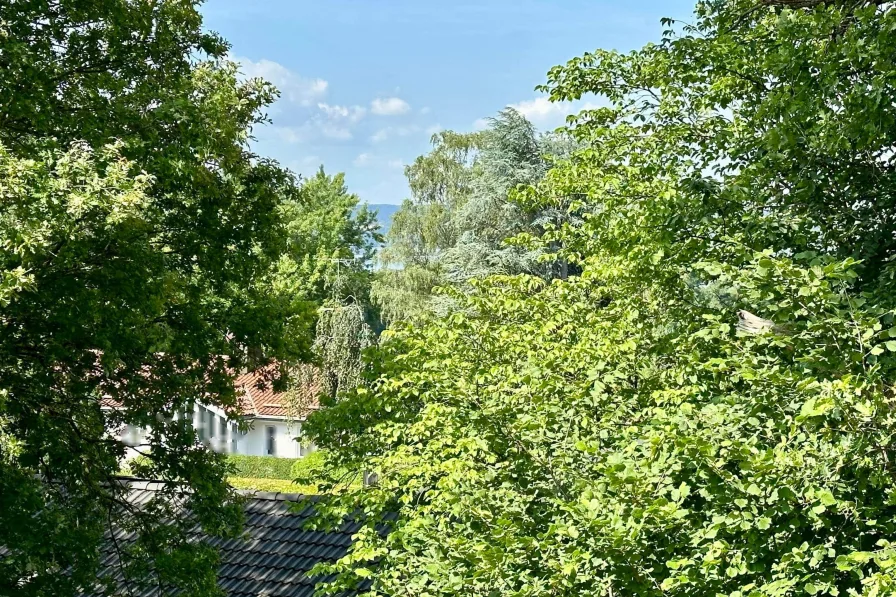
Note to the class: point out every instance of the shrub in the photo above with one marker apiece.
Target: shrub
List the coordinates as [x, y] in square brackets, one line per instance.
[271, 485]
[262, 467]
[309, 469]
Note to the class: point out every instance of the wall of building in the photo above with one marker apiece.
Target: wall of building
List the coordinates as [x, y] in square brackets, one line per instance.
[255, 441]
[224, 436]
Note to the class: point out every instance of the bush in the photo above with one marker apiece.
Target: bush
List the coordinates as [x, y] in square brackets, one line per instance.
[309, 469]
[271, 485]
[263, 467]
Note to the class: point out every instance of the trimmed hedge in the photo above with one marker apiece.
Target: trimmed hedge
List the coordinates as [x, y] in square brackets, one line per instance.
[263, 467]
[309, 469]
[272, 485]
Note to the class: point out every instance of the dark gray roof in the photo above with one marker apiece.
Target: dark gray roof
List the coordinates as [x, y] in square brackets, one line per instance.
[274, 557]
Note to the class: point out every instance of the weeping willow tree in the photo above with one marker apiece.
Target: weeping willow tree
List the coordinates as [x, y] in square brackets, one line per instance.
[343, 334]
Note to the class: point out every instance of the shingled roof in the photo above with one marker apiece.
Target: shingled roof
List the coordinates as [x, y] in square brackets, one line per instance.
[274, 557]
[258, 398]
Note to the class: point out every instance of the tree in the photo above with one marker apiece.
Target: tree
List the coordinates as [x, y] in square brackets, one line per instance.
[331, 246]
[138, 238]
[331, 240]
[616, 433]
[455, 227]
[422, 229]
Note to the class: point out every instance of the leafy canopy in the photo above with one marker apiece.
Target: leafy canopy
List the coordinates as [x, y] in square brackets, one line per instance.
[138, 243]
[616, 433]
[454, 227]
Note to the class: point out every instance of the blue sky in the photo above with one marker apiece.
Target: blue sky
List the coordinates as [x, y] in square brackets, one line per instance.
[365, 83]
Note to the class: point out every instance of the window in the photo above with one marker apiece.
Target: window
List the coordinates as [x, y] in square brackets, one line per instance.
[270, 435]
[222, 428]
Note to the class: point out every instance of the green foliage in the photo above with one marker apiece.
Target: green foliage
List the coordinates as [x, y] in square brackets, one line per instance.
[331, 245]
[342, 335]
[138, 243]
[454, 228]
[309, 469]
[262, 467]
[331, 241]
[615, 433]
[271, 485]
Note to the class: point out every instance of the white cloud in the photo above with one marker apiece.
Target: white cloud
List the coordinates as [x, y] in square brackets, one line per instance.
[330, 131]
[293, 88]
[433, 129]
[370, 160]
[480, 124]
[394, 131]
[544, 113]
[541, 109]
[330, 122]
[310, 130]
[389, 106]
[350, 114]
[289, 134]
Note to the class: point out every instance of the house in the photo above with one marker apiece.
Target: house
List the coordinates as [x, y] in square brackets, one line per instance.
[274, 422]
[273, 558]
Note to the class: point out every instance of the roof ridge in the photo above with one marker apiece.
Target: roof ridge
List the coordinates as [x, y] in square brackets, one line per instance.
[133, 482]
[279, 496]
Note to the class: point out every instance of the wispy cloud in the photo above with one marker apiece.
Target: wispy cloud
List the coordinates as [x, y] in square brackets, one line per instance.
[329, 121]
[394, 131]
[389, 106]
[315, 128]
[293, 87]
[370, 160]
[480, 124]
[351, 114]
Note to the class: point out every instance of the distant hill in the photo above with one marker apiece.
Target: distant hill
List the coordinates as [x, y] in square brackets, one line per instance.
[384, 213]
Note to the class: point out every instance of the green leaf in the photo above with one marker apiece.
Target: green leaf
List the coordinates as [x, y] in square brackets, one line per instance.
[826, 497]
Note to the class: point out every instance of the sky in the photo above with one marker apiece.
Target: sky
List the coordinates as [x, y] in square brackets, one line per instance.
[365, 83]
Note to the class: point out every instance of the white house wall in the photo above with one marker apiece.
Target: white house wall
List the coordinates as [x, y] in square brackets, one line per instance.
[254, 443]
[251, 443]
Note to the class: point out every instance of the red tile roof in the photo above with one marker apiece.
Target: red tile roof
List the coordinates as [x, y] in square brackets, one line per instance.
[257, 396]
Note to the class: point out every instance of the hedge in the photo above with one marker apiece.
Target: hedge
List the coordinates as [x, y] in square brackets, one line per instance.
[272, 485]
[263, 467]
[309, 469]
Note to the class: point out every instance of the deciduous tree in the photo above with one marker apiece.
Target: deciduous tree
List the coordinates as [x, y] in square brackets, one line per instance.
[138, 236]
[617, 433]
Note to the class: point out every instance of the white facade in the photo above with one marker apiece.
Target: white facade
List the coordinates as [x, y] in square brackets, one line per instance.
[273, 437]
[266, 436]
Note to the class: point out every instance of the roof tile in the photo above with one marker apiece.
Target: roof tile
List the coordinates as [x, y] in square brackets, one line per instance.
[273, 559]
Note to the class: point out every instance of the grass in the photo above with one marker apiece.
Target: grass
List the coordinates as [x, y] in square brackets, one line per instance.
[271, 485]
